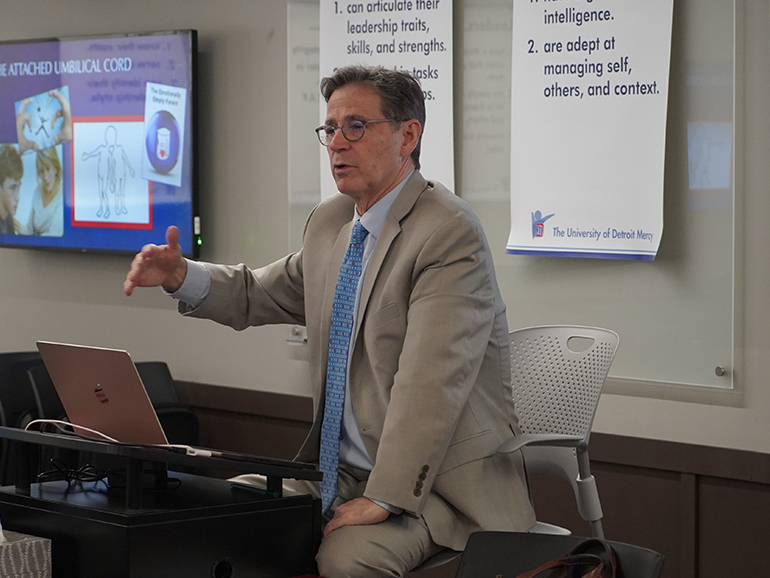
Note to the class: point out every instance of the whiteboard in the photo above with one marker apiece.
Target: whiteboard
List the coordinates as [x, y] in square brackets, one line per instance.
[675, 316]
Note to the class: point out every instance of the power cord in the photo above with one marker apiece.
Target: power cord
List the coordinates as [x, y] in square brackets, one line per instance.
[66, 427]
[61, 471]
[89, 473]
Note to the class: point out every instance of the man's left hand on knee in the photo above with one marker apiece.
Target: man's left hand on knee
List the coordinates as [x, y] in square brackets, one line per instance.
[357, 512]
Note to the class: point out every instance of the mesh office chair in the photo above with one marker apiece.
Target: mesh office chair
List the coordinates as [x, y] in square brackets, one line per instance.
[557, 374]
[557, 377]
[512, 553]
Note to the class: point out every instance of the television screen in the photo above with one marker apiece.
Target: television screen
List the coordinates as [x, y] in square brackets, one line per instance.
[97, 142]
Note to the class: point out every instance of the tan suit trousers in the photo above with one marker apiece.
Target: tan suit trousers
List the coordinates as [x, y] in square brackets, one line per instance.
[390, 548]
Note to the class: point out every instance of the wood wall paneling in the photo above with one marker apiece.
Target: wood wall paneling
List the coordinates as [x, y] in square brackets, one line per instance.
[706, 509]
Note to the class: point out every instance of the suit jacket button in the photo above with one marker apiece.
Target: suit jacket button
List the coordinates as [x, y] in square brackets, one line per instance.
[425, 468]
[418, 484]
[422, 475]
[417, 492]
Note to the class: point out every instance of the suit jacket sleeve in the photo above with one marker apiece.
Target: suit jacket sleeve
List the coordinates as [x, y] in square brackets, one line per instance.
[241, 297]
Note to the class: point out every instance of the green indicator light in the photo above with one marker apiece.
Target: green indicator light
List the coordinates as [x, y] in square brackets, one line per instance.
[200, 241]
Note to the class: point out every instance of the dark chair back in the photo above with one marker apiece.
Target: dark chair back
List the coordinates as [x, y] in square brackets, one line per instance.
[17, 400]
[17, 404]
[49, 406]
[178, 421]
[158, 382]
[511, 553]
[47, 400]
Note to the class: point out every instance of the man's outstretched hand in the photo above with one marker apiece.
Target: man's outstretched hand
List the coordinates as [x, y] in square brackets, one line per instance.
[158, 266]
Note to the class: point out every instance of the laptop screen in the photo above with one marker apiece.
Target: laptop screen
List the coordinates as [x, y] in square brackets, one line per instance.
[101, 389]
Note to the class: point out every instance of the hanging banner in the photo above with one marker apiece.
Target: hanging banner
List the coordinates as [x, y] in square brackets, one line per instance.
[589, 96]
[412, 35]
[302, 59]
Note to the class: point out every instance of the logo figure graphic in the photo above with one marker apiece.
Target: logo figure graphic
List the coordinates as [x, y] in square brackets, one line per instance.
[111, 171]
[538, 226]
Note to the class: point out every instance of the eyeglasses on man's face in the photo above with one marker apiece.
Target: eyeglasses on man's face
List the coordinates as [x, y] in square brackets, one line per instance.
[352, 130]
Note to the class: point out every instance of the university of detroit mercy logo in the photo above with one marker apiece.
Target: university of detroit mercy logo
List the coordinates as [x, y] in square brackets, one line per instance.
[538, 223]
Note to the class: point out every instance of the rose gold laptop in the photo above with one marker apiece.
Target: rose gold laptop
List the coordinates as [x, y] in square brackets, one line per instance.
[101, 389]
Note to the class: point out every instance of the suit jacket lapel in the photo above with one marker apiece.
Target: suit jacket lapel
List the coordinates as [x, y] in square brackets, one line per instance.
[401, 207]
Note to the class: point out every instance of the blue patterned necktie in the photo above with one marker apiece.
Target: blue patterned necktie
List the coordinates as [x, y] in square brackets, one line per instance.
[343, 309]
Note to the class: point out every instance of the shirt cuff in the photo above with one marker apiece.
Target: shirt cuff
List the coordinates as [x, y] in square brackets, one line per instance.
[388, 507]
[196, 285]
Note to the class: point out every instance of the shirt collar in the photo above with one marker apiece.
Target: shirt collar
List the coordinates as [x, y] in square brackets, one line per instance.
[374, 219]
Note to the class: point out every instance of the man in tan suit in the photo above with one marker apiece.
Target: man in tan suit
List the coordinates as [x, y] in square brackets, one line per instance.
[427, 397]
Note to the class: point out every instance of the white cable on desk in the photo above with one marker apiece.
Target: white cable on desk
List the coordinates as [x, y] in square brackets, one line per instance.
[66, 424]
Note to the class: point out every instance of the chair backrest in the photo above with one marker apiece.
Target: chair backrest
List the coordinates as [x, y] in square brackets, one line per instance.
[158, 382]
[17, 404]
[511, 553]
[178, 421]
[17, 400]
[557, 374]
[48, 403]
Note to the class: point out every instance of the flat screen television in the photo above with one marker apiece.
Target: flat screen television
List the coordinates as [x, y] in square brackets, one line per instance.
[98, 142]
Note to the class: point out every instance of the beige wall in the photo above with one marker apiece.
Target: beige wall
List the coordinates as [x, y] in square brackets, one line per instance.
[243, 182]
[242, 104]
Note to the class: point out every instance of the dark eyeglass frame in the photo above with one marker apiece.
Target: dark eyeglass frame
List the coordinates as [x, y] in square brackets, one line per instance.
[325, 137]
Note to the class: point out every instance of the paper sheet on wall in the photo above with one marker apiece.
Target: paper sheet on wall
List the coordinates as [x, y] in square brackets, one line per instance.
[588, 127]
[302, 59]
[413, 35]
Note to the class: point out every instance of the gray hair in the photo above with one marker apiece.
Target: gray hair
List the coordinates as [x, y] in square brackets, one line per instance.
[401, 97]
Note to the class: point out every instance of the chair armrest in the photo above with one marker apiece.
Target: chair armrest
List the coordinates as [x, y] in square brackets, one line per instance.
[552, 440]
